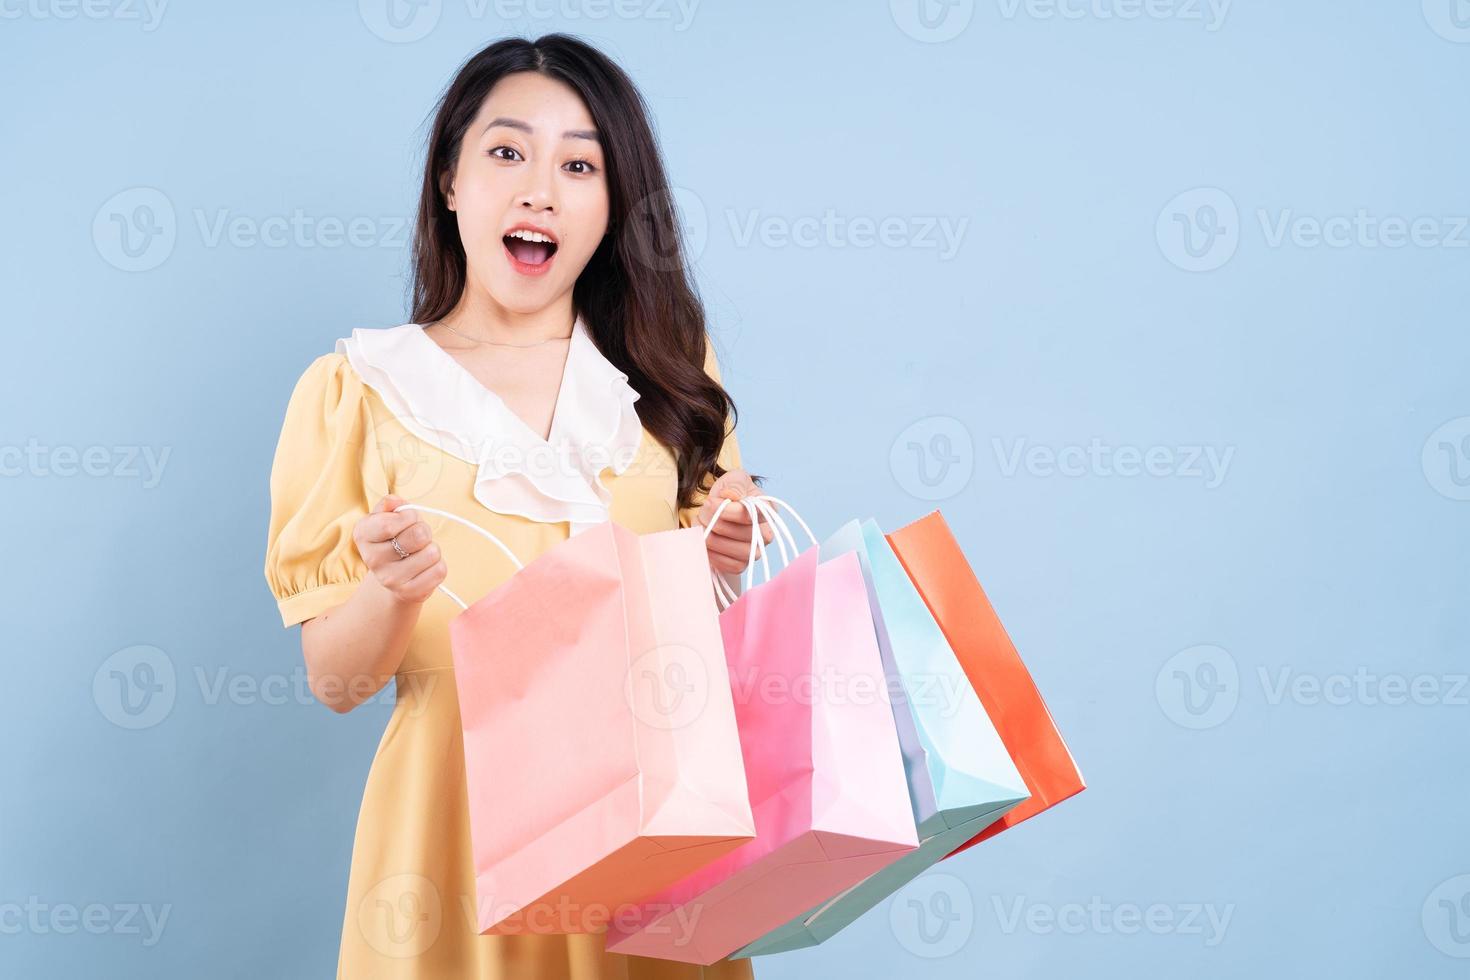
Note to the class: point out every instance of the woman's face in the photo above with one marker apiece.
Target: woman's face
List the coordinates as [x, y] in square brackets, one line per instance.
[530, 158]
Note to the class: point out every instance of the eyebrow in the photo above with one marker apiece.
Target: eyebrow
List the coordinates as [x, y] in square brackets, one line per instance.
[574, 134]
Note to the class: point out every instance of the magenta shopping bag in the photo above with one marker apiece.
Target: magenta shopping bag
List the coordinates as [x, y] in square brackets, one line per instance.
[822, 761]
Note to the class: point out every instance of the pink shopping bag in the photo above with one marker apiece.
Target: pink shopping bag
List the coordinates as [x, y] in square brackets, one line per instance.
[585, 794]
[824, 768]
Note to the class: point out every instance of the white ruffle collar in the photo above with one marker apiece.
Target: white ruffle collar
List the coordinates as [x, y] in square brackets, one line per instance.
[594, 425]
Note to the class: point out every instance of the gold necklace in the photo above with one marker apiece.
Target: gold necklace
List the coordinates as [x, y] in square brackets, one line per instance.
[492, 343]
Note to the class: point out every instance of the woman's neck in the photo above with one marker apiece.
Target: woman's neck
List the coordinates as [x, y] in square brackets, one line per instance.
[478, 316]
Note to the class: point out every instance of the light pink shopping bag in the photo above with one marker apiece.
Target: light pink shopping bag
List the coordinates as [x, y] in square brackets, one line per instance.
[585, 793]
[821, 757]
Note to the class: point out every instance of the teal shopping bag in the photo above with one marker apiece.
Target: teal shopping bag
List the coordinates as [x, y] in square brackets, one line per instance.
[960, 775]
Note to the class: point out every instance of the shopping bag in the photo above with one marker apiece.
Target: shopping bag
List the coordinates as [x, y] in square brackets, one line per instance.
[585, 793]
[961, 778]
[825, 769]
[936, 564]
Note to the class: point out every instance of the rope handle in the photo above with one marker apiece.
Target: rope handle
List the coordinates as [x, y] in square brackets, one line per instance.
[764, 505]
[473, 527]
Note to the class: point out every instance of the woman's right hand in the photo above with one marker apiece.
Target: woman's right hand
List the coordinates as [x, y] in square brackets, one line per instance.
[412, 579]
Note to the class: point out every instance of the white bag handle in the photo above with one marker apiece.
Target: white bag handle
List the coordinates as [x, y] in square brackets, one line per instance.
[758, 505]
[777, 524]
[771, 503]
[473, 527]
[722, 588]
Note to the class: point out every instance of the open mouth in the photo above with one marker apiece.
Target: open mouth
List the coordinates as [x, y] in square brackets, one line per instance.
[528, 256]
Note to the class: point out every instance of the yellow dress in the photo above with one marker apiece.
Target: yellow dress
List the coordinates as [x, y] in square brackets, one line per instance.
[410, 892]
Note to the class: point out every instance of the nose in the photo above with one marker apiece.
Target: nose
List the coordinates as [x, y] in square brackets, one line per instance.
[538, 192]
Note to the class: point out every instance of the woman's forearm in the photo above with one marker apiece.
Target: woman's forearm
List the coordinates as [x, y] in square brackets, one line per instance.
[353, 650]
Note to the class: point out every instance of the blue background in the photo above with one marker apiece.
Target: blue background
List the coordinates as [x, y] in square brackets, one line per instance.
[1160, 612]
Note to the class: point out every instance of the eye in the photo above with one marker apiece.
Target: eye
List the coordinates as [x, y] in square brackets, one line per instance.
[495, 152]
[591, 168]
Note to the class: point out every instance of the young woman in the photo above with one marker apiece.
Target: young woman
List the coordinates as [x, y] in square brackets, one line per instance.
[555, 373]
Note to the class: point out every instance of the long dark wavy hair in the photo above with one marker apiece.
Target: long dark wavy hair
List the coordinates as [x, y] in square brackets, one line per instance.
[635, 293]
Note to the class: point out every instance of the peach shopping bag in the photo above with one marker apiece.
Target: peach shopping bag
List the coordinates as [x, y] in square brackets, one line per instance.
[585, 793]
[822, 760]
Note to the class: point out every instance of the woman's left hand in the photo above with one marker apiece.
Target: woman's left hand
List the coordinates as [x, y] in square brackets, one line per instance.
[729, 542]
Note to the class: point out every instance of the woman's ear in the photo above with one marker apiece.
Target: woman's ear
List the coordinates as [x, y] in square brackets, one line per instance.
[446, 187]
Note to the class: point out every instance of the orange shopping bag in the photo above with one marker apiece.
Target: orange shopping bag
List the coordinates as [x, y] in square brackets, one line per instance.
[933, 559]
[593, 780]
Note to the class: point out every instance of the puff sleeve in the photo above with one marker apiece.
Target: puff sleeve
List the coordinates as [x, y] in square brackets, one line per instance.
[729, 455]
[326, 475]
